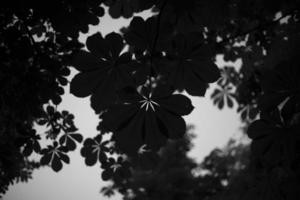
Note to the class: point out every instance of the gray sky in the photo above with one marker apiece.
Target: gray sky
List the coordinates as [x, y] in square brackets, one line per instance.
[76, 181]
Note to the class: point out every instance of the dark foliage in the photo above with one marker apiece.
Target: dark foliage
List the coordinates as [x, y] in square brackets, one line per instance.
[176, 176]
[134, 78]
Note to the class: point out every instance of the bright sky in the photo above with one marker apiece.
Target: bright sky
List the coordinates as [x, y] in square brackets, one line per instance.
[76, 181]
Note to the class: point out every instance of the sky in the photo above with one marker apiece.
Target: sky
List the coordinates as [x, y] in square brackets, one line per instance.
[76, 181]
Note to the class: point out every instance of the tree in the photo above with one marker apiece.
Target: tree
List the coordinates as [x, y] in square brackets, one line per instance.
[135, 78]
[176, 176]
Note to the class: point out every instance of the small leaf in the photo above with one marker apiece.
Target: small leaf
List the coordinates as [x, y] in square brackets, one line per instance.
[107, 174]
[56, 164]
[28, 149]
[45, 159]
[91, 159]
[76, 136]
[64, 158]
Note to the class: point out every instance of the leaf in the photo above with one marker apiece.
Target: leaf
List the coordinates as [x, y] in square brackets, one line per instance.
[223, 95]
[70, 139]
[177, 103]
[141, 34]
[129, 136]
[124, 8]
[91, 159]
[104, 95]
[175, 125]
[56, 99]
[97, 45]
[83, 84]
[103, 70]
[259, 129]
[147, 119]
[192, 69]
[76, 136]
[229, 102]
[56, 164]
[42, 121]
[70, 144]
[85, 61]
[28, 149]
[107, 174]
[102, 157]
[64, 158]
[45, 159]
[91, 150]
[153, 135]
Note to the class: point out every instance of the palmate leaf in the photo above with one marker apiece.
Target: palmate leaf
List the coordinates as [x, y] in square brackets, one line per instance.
[142, 34]
[191, 66]
[103, 70]
[69, 140]
[228, 74]
[55, 155]
[221, 96]
[117, 169]
[147, 119]
[92, 151]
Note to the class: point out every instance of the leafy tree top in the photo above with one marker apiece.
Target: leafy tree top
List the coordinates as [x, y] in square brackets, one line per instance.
[133, 78]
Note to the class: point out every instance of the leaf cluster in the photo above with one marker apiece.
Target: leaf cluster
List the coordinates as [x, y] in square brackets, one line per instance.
[134, 79]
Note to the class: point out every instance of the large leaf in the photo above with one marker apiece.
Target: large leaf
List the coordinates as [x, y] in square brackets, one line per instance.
[103, 70]
[147, 119]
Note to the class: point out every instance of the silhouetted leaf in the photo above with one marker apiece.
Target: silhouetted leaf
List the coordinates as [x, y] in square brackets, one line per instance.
[125, 8]
[192, 68]
[147, 118]
[54, 155]
[68, 139]
[56, 164]
[107, 174]
[92, 150]
[222, 95]
[141, 34]
[103, 70]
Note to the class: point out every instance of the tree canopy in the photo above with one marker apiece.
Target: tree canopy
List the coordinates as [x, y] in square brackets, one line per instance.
[135, 80]
[171, 174]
